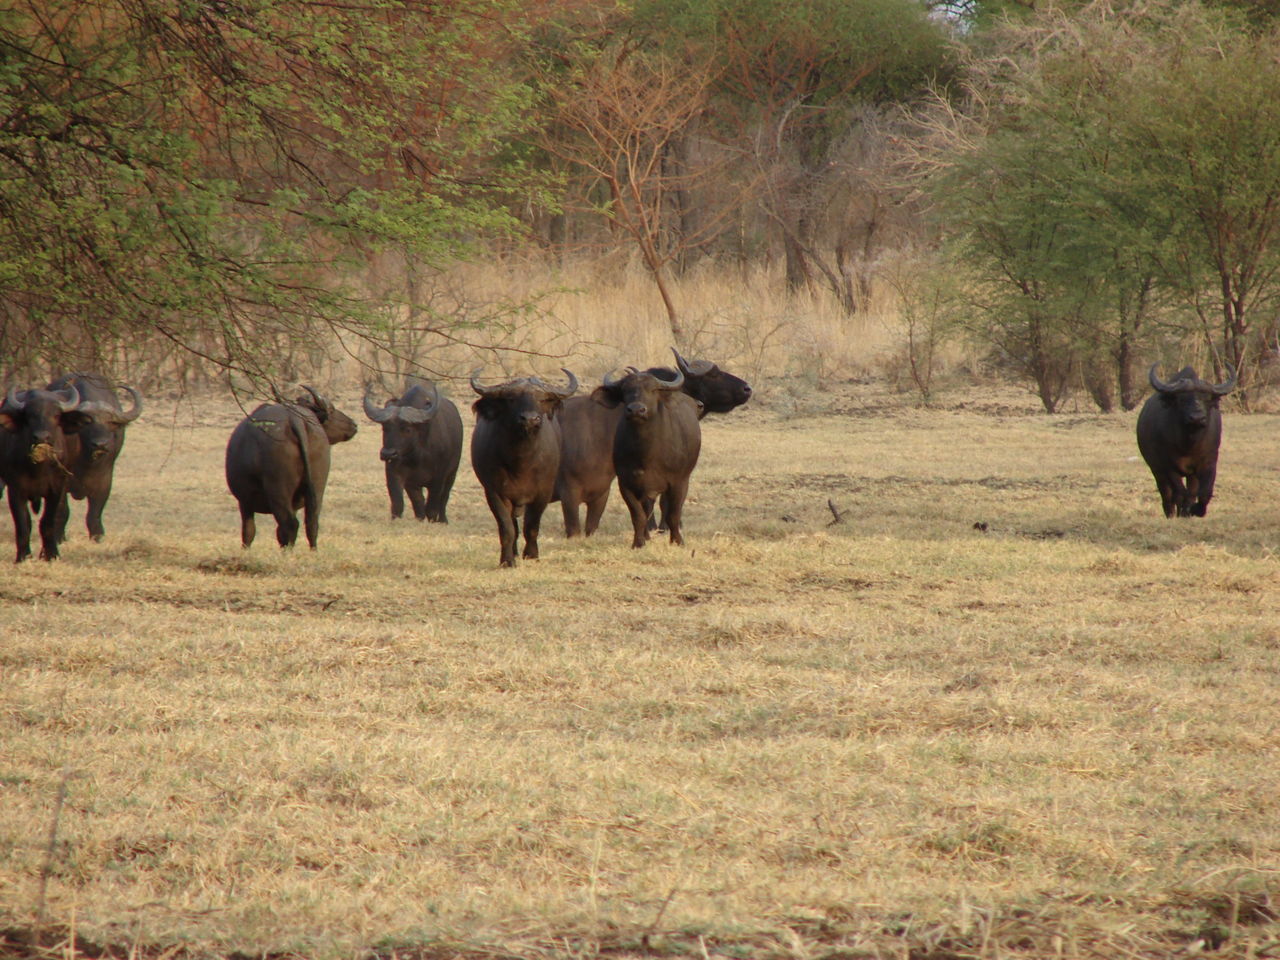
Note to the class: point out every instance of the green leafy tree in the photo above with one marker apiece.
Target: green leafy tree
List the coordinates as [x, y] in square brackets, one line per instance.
[1112, 164]
[213, 174]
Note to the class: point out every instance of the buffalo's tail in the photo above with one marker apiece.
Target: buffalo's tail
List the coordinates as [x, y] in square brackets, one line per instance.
[304, 450]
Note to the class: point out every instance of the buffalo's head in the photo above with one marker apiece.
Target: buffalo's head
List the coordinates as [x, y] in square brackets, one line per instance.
[640, 393]
[1191, 397]
[337, 425]
[42, 418]
[524, 404]
[403, 419]
[717, 390]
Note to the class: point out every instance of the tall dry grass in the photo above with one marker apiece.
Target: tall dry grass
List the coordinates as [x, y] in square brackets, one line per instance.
[593, 315]
[897, 735]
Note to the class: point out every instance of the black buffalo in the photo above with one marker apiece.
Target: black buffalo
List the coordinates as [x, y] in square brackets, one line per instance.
[34, 426]
[1179, 430]
[92, 450]
[278, 461]
[515, 452]
[421, 447]
[587, 432]
[655, 447]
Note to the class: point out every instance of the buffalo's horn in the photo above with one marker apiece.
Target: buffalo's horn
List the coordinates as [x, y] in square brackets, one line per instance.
[320, 403]
[1222, 389]
[1159, 384]
[699, 368]
[130, 415]
[421, 414]
[11, 401]
[675, 384]
[66, 406]
[567, 391]
[475, 385]
[611, 381]
[378, 414]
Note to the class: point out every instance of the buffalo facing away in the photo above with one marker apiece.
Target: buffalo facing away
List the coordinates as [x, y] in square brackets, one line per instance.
[421, 447]
[92, 450]
[278, 461]
[515, 452]
[655, 447]
[1179, 430]
[34, 426]
[588, 428]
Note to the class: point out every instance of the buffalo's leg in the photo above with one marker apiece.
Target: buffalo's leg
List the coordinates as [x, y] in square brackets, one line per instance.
[1204, 492]
[595, 510]
[395, 491]
[64, 517]
[1169, 498]
[21, 526]
[438, 500]
[673, 509]
[248, 529]
[532, 523]
[640, 508]
[311, 519]
[508, 529]
[286, 523]
[418, 501]
[569, 500]
[49, 527]
[93, 517]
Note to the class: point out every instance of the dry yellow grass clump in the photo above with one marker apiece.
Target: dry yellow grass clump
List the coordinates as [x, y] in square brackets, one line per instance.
[897, 735]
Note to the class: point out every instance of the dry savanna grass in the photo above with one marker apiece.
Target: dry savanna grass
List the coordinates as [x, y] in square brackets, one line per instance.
[897, 735]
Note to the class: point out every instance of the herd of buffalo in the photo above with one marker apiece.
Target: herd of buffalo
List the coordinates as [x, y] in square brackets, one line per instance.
[533, 444]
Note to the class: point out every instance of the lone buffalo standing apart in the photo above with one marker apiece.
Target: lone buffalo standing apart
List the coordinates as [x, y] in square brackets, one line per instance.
[1179, 430]
[92, 450]
[421, 447]
[655, 447]
[34, 426]
[588, 428]
[515, 452]
[278, 461]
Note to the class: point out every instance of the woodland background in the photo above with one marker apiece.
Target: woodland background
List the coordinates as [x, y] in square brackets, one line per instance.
[248, 192]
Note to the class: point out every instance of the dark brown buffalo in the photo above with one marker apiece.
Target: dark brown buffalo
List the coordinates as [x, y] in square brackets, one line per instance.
[515, 452]
[278, 461]
[655, 447]
[421, 447]
[92, 450]
[34, 426]
[1179, 431]
[587, 430]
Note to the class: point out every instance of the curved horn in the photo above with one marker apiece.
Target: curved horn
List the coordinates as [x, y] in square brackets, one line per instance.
[611, 381]
[378, 414]
[699, 368]
[1222, 389]
[66, 406]
[132, 413]
[1159, 384]
[11, 401]
[421, 414]
[314, 396]
[675, 384]
[568, 391]
[483, 391]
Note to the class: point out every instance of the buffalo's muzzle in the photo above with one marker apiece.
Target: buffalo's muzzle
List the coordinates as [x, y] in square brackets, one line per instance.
[388, 454]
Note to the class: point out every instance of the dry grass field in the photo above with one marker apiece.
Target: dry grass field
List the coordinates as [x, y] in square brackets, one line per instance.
[898, 735]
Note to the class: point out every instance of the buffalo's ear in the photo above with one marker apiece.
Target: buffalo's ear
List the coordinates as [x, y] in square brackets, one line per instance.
[606, 397]
[8, 422]
[486, 407]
